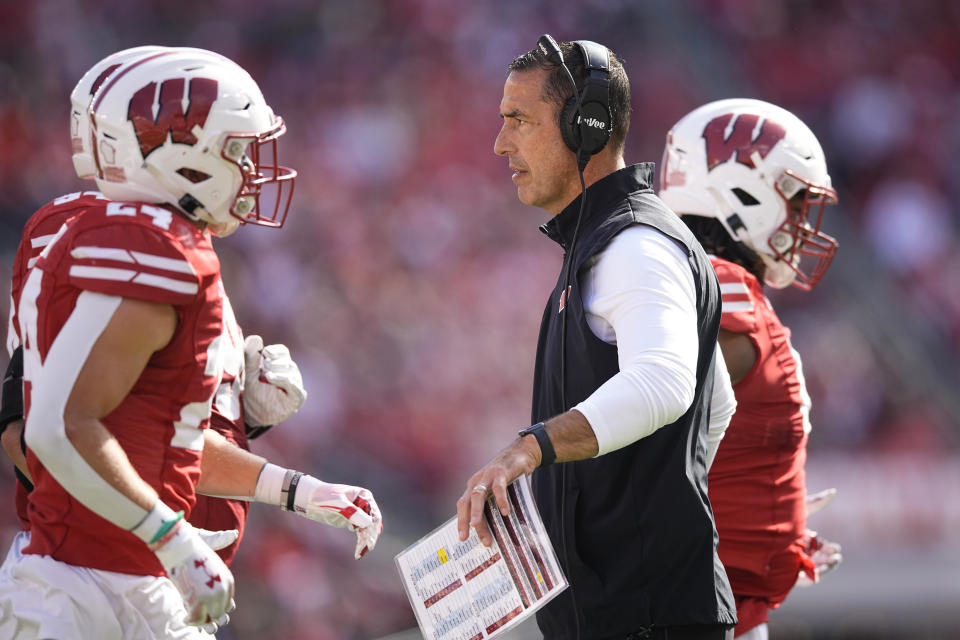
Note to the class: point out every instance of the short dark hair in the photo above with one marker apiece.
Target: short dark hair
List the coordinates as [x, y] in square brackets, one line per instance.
[558, 90]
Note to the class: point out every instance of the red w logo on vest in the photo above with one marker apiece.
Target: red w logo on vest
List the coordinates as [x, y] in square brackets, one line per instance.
[152, 132]
[720, 148]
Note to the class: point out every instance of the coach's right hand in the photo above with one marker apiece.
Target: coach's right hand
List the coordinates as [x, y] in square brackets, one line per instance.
[204, 581]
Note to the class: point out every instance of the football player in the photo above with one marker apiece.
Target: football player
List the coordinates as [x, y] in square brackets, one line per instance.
[123, 323]
[750, 180]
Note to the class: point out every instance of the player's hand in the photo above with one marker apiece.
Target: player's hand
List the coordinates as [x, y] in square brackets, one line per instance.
[215, 625]
[340, 505]
[218, 540]
[820, 500]
[826, 556]
[273, 390]
[204, 581]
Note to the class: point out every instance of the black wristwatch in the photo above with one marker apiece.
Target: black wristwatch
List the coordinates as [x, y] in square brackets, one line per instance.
[547, 454]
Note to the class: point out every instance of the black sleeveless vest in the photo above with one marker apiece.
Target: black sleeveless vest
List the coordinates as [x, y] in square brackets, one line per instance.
[632, 529]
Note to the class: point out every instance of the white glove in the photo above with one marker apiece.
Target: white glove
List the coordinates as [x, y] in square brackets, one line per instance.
[826, 557]
[204, 581]
[825, 554]
[819, 501]
[215, 625]
[340, 505]
[337, 505]
[273, 390]
[218, 540]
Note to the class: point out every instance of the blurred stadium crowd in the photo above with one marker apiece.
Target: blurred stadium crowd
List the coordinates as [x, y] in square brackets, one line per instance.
[409, 282]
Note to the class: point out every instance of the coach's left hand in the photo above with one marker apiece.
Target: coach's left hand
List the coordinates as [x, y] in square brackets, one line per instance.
[521, 457]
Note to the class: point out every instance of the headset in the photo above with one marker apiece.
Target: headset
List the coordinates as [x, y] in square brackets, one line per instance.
[585, 119]
[585, 123]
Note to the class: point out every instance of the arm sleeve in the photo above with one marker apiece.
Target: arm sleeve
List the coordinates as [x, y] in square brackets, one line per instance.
[641, 289]
[722, 406]
[45, 429]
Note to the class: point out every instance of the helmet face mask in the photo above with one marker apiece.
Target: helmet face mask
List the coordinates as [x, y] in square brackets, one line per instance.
[759, 171]
[256, 158]
[798, 243]
[190, 129]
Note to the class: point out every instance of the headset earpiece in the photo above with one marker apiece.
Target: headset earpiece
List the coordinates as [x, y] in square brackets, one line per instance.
[587, 130]
[593, 132]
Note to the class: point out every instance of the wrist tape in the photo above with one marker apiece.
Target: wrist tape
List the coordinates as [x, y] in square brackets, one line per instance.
[278, 486]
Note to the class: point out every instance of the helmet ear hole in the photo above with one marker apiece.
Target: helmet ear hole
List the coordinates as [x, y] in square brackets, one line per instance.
[193, 175]
[744, 197]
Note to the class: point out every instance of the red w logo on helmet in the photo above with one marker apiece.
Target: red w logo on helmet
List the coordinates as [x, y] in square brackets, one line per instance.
[152, 131]
[720, 147]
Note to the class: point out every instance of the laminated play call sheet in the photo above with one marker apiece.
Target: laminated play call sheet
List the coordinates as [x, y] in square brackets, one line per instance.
[466, 591]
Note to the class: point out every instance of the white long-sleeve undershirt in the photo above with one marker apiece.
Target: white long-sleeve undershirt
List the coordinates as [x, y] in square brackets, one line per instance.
[639, 295]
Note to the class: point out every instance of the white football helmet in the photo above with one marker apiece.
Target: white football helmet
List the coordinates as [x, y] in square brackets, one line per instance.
[191, 129]
[80, 99]
[759, 171]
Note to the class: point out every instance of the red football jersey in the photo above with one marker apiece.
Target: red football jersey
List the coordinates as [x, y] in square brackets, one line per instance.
[757, 485]
[145, 252]
[214, 514]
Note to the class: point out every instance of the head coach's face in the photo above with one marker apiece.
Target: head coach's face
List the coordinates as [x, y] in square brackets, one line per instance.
[545, 170]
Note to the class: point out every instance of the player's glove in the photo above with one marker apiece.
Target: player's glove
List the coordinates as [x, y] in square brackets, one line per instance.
[340, 505]
[820, 500]
[218, 540]
[337, 505]
[273, 390]
[204, 581]
[825, 554]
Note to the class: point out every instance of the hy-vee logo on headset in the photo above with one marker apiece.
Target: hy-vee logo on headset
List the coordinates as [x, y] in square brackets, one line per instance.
[592, 122]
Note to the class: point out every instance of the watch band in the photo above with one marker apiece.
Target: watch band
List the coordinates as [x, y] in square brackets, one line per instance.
[547, 453]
